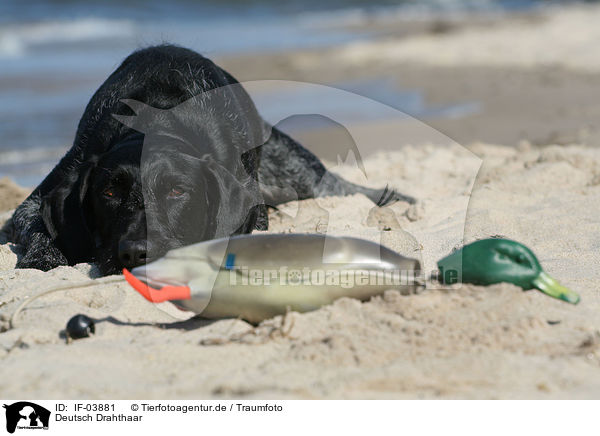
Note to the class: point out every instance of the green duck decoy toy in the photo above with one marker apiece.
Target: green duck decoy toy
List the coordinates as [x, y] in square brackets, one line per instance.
[490, 261]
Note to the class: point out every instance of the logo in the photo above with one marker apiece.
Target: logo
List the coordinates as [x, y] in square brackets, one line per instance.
[26, 415]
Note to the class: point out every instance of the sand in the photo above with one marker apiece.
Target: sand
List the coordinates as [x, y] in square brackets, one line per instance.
[464, 342]
[12, 194]
[534, 79]
[460, 342]
[516, 43]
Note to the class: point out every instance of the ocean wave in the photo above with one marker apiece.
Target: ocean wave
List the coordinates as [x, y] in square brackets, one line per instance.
[31, 155]
[17, 39]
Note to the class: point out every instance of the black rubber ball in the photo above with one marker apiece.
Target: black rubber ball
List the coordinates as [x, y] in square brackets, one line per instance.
[80, 326]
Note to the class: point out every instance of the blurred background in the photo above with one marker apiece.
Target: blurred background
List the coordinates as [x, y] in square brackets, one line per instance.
[474, 70]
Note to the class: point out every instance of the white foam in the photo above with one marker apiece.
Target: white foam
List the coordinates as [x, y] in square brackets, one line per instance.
[32, 155]
[16, 39]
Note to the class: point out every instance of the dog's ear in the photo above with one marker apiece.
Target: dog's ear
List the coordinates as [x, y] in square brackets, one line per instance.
[236, 200]
[65, 214]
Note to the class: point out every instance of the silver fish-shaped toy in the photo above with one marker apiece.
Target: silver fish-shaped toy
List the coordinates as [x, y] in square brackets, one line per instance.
[259, 276]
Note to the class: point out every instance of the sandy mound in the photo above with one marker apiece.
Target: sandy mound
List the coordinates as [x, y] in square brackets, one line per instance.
[12, 194]
[468, 342]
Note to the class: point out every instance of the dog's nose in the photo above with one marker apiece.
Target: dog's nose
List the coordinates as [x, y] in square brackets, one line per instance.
[132, 253]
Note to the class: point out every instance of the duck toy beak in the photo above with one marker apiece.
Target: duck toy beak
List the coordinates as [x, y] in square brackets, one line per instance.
[551, 287]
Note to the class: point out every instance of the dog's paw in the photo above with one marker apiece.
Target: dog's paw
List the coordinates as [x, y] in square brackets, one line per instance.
[41, 264]
[43, 261]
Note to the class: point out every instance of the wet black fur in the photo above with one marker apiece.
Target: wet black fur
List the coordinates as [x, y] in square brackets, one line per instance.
[72, 217]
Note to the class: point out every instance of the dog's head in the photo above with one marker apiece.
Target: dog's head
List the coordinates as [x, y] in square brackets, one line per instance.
[187, 178]
[100, 214]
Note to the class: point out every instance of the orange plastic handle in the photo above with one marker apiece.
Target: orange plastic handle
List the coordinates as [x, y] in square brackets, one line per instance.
[166, 293]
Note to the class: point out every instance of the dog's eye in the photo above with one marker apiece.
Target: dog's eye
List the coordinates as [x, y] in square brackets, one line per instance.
[110, 193]
[176, 192]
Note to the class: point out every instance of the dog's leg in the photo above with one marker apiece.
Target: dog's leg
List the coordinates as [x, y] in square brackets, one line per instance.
[30, 232]
[288, 171]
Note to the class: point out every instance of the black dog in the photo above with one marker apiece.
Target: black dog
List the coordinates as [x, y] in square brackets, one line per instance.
[188, 159]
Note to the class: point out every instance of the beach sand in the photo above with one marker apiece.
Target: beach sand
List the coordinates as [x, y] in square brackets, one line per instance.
[459, 342]
[466, 342]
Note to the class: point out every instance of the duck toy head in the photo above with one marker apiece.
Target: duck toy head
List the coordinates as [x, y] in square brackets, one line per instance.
[490, 261]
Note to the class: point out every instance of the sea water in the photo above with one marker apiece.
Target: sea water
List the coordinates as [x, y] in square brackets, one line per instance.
[55, 54]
